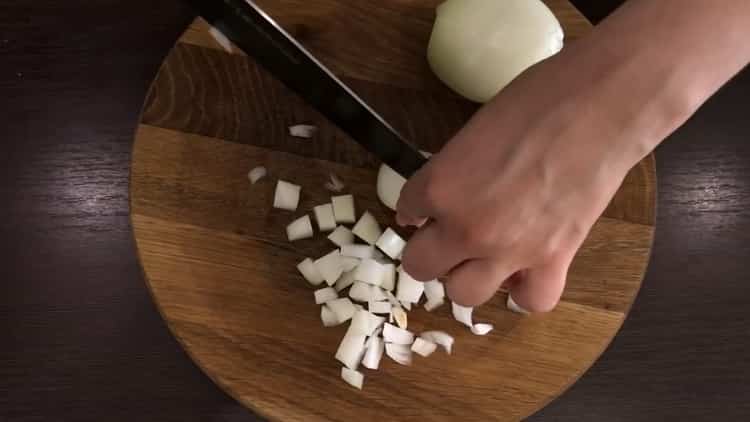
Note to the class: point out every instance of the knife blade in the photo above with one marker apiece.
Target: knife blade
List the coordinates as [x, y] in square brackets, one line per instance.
[258, 35]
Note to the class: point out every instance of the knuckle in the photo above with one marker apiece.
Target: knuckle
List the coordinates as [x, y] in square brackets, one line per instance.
[547, 249]
[485, 239]
[478, 237]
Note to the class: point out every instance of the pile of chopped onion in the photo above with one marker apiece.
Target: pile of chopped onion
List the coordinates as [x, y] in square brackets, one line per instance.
[364, 282]
[379, 295]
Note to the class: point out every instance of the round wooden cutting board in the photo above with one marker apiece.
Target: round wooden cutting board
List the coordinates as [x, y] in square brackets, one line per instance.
[217, 261]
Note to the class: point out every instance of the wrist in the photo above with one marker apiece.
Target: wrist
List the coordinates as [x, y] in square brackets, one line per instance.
[627, 101]
[655, 64]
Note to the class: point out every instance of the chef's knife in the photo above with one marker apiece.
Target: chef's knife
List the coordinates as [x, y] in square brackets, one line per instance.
[252, 30]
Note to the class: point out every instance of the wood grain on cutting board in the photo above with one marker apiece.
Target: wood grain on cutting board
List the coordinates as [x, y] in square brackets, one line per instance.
[223, 275]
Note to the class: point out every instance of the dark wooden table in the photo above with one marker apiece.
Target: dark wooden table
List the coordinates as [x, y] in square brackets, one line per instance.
[80, 339]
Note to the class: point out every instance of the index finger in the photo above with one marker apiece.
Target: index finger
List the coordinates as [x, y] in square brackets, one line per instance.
[430, 254]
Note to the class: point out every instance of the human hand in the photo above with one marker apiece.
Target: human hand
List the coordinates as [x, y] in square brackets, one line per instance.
[512, 196]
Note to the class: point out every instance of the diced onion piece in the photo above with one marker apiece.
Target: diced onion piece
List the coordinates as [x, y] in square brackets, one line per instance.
[434, 291]
[367, 228]
[379, 256]
[423, 347]
[393, 334]
[286, 196]
[302, 131]
[390, 183]
[462, 314]
[389, 186]
[324, 295]
[354, 378]
[400, 353]
[370, 272]
[392, 299]
[363, 292]
[431, 305]
[360, 323]
[364, 322]
[360, 291]
[348, 263]
[389, 277]
[221, 39]
[328, 317]
[329, 267]
[374, 353]
[376, 323]
[310, 272]
[324, 217]
[513, 306]
[256, 174]
[440, 338]
[299, 229]
[358, 251]
[334, 184]
[343, 209]
[343, 308]
[346, 280]
[351, 349]
[391, 243]
[375, 333]
[341, 236]
[481, 329]
[409, 289]
[379, 307]
[377, 294]
[399, 315]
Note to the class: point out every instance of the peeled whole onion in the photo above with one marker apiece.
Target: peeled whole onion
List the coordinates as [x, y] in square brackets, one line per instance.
[478, 47]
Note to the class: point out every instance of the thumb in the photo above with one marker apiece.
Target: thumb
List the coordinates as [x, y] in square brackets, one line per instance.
[541, 288]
